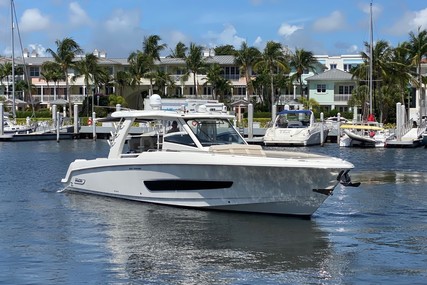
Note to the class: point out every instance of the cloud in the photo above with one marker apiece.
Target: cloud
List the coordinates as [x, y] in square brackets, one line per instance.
[287, 30]
[78, 16]
[346, 47]
[376, 9]
[258, 42]
[33, 20]
[228, 36]
[38, 48]
[120, 34]
[335, 21]
[420, 20]
[353, 49]
[122, 21]
[410, 21]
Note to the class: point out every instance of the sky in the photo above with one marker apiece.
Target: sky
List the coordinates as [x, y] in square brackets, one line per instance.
[118, 27]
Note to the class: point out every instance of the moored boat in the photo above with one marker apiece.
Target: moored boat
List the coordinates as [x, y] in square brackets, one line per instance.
[369, 134]
[295, 128]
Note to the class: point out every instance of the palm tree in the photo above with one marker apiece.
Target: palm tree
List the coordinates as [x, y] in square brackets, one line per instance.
[381, 69]
[301, 61]
[88, 68]
[245, 58]
[215, 78]
[179, 51]
[103, 78]
[401, 72]
[51, 71]
[225, 50]
[151, 48]
[359, 97]
[163, 80]
[122, 79]
[66, 50]
[5, 72]
[273, 59]
[418, 50]
[195, 63]
[137, 67]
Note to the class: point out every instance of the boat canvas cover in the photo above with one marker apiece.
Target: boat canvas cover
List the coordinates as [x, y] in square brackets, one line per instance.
[361, 127]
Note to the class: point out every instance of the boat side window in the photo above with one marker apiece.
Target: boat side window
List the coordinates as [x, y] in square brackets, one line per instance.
[282, 122]
[177, 134]
[173, 127]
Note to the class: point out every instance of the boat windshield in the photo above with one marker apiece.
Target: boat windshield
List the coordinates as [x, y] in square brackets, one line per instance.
[214, 131]
[293, 120]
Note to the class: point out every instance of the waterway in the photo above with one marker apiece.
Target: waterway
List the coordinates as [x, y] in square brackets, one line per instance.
[374, 234]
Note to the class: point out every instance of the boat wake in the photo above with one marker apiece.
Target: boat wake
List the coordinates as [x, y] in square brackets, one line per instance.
[387, 177]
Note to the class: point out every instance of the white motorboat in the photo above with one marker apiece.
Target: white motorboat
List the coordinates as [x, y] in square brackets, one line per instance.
[295, 128]
[333, 124]
[10, 127]
[205, 164]
[369, 134]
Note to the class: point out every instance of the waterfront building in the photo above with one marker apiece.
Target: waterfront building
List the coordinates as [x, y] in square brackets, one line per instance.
[330, 86]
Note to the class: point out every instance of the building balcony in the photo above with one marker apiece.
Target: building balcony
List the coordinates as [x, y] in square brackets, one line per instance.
[342, 97]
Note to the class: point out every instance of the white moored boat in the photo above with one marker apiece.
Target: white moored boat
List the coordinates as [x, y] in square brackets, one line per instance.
[205, 164]
[10, 127]
[295, 128]
[368, 134]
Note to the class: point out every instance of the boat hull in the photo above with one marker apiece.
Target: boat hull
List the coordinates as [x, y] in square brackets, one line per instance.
[272, 186]
[355, 140]
[295, 137]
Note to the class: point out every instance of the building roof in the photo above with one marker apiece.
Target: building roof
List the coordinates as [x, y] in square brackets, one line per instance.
[331, 75]
[38, 61]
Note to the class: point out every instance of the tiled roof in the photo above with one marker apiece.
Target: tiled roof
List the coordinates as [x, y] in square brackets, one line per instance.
[331, 75]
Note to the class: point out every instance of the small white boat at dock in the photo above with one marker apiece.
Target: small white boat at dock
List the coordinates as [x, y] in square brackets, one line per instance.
[296, 128]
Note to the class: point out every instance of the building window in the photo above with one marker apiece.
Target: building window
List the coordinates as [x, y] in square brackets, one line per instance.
[109, 90]
[179, 71]
[348, 67]
[231, 72]
[241, 90]
[321, 88]
[333, 66]
[34, 71]
[192, 90]
[207, 90]
[345, 89]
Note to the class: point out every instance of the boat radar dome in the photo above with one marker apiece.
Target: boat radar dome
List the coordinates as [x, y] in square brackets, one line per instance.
[287, 107]
[202, 109]
[155, 102]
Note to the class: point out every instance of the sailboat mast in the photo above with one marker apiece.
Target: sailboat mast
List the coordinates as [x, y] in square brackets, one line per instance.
[371, 39]
[13, 59]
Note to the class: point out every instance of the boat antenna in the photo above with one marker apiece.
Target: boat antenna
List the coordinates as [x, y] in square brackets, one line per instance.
[13, 60]
[371, 38]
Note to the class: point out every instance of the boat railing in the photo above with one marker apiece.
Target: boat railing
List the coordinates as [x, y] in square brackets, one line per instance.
[421, 128]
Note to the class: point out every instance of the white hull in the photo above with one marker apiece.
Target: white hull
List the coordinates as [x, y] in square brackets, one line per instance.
[351, 139]
[210, 181]
[295, 136]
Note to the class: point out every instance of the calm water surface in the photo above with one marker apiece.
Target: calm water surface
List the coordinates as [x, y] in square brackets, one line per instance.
[374, 234]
